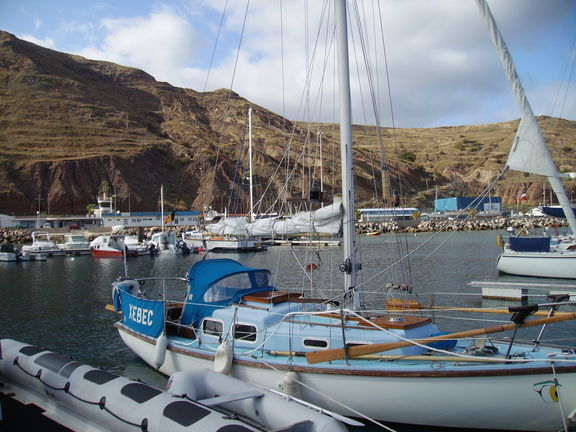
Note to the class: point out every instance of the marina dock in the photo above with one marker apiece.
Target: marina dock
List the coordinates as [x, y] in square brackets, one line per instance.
[521, 290]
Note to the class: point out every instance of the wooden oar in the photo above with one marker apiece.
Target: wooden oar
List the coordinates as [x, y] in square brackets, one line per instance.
[470, 309]
[110, 308]
[359, 350]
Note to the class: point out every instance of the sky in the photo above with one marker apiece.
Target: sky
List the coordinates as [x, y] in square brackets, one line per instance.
[432, 63]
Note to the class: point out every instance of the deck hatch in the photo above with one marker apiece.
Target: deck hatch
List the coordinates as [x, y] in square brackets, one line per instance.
[234, 428]
[245, 332]
[31, 350]
[185, 413]
[212, 328]
[139, 392]
[315, 343]
[99, 376]
[57, 363]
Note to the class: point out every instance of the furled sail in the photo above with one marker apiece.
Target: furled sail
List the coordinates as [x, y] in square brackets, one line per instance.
[326, 220]
[529, 152]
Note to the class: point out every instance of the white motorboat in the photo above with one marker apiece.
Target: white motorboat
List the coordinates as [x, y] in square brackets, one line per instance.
[114, 245]
[551, 257]
[209, 242]
[162, 242]
[9, 253]
[75, 244]
[41, 242]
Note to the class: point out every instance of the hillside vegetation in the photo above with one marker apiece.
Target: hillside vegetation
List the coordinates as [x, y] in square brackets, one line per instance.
[71, 128]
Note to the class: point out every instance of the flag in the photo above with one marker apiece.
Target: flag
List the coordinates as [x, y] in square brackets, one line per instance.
[523, 197]
[170, 217]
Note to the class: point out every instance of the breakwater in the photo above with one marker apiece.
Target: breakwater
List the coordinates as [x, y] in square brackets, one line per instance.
[531, 224]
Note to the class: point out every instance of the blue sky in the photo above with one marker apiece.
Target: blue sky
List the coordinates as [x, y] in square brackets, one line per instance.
[442, 67]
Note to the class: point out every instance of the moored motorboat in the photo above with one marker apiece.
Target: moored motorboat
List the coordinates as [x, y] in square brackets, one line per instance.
[9, 253]
[41, 242]
[82, 397]
[552, 257]
[110, 246]
[197, 240]
[75, 244]
[162, 242]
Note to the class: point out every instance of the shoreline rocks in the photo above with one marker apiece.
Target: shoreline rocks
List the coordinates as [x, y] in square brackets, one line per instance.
[472, 224]
[24, 235]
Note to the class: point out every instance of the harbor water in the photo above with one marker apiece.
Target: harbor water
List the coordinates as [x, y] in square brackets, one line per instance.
[60, 303]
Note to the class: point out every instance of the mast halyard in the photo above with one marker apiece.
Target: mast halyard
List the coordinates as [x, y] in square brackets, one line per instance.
[162, 206]
[350, 266]
[250, 163]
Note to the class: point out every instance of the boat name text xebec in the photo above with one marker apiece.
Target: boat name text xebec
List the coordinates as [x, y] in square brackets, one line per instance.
[141, 315]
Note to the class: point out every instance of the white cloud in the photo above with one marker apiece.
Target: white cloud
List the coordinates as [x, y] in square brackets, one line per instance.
[442, 67]
[162, 44]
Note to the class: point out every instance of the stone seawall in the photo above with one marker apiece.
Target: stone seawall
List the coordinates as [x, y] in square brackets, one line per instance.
[24, 236]
[475, 224]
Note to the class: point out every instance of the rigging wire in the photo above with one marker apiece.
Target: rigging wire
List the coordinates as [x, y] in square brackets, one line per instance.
[215, 45]
[227, 102]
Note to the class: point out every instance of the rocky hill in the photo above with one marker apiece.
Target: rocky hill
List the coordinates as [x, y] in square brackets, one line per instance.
[71, 128]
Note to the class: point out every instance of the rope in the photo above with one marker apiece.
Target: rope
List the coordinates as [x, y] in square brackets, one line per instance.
[559, 400]
[66, 389]
[356, 412]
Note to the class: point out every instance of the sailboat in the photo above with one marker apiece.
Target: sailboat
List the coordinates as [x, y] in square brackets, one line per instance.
[163, 241]
[553, 257]
[230, 234]
[397, 366]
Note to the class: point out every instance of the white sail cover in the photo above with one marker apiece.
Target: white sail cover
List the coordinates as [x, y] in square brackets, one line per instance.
[327, 220]
[229, 226]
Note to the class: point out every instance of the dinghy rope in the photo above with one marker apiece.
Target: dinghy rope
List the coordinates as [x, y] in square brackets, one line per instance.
[143, 425]
[557, 385]
[358, 413]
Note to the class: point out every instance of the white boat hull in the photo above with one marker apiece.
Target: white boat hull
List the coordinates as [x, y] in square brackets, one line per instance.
[225, 245]
[539, 264]
[438, 400]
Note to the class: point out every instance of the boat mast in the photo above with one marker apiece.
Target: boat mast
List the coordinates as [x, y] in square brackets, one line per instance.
[250, 163]
[538, 160]
[162, 206]
[349, 266]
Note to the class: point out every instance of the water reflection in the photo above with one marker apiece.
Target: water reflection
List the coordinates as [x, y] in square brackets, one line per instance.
[60, 303]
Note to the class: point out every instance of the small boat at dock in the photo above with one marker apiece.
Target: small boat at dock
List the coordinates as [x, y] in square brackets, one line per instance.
[75, 244]
[9, 253]
[41, 242]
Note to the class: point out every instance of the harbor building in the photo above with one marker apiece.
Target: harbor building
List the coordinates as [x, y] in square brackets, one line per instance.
[487, 205]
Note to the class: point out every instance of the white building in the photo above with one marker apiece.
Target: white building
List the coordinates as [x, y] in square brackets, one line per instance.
[150, 219]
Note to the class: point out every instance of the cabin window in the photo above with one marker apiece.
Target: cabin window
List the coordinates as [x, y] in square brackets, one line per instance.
[245, 332]
[315, 343]
[261, 279]
[212, 328]
[227, 288]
